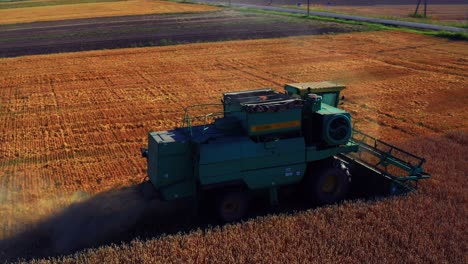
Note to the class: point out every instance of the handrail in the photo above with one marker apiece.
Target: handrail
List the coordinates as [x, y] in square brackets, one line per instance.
[421, 160]
[188, 120]
[387, 157]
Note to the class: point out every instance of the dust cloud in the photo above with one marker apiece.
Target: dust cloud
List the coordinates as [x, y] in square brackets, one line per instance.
[109, 217]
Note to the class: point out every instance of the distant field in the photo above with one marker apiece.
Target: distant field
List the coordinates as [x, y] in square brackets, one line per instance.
[447, 13]
[7, 4]
[350, 2]
[439, 11]
[450, 13]
[436, 13]
[52, 10]
[73, 123]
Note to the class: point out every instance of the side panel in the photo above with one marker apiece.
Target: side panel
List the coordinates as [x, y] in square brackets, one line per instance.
[275, 176]
[273, 163]
[173, 167]
[178, 190]
[273, 122]
[259, 165]
[220, 161]
[170, 164]
[152, 159]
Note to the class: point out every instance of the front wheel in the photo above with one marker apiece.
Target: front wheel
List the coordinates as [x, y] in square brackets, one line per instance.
[328, 186]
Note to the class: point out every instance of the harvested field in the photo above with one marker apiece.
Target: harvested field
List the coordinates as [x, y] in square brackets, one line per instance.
[450, 12]
[98, 9]
[441, 13]
[447, 13]
[71, 126]
[8, 4]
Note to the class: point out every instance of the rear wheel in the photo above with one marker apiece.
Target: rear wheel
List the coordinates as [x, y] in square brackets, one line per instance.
[232, 206]
[328, 186]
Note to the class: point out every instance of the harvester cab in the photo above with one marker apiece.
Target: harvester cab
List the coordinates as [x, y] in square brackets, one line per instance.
[328, 91]
[263, 141]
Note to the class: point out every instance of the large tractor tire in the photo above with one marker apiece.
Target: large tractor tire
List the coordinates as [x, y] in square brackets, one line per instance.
[328, 186]
[232, 206]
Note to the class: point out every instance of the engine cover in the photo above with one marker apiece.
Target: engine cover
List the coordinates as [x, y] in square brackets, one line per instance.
[330, 126]
[336, 129]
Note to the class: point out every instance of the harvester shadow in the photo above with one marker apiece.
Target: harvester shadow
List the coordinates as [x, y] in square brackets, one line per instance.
[109, 217]
[119, 216]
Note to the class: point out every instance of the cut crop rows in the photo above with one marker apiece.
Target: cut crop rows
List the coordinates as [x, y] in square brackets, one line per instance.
[75, 122]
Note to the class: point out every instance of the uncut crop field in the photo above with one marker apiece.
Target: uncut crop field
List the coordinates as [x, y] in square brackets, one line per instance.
[11, 14]
[71, 125]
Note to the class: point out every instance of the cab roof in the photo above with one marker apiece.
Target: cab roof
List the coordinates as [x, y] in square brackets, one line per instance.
[317, 87]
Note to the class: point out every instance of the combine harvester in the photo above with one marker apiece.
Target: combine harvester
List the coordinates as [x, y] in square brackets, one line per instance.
[263, 142]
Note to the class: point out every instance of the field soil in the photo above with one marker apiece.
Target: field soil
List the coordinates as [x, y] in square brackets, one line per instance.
[71, 127]
[91, 9]
[154, 30]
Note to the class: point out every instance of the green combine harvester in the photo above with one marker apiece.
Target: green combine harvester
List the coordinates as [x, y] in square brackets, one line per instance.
[262, 141]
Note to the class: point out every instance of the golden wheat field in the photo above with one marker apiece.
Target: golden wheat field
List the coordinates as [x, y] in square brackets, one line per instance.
[72, 124]
[90, 10]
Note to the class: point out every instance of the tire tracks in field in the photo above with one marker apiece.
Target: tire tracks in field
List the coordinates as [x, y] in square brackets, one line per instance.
[4, 114]
[148, 81]
[418, 66]
[422, 67]
[410, 125]
[59, 112]
[254, 73]
[393, 117]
